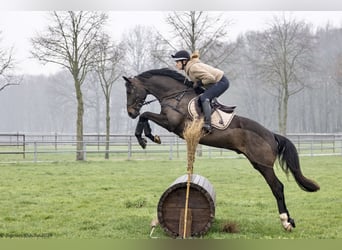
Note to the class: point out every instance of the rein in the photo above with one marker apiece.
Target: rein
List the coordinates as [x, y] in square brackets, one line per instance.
[149, 102]
[178, 96]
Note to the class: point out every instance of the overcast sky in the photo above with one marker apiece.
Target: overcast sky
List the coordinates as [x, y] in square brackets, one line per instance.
[19, 26]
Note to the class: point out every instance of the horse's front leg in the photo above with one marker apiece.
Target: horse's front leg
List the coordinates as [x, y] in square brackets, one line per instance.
[138, 132]
[143, 125]
[148, 133]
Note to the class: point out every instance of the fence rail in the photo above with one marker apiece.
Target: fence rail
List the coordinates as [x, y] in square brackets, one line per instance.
[62, 147]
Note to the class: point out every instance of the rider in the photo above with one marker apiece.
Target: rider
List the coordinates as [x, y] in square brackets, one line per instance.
[204, 76]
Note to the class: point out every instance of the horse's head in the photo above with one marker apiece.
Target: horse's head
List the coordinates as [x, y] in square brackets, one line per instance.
[136, 95]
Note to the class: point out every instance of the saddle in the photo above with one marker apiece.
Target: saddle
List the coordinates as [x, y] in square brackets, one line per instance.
[216, 105]
[221, 115]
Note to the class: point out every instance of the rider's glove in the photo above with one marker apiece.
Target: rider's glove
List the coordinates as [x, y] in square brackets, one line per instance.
[198, 84]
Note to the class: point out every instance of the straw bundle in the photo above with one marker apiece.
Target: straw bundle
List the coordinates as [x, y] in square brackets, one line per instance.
[192, 134]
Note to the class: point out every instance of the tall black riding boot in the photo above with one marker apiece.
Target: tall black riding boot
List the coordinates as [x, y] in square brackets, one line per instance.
[207, 116]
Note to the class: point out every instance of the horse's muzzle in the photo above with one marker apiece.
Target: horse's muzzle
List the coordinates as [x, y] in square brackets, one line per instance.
[132, 113]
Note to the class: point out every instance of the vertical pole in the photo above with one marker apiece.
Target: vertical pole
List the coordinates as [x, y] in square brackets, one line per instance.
[171, 150]
[177, 141]
[35, 152]
[129, 147]
[187, 203]
[84, 149]
[334, 144]
[24, 146]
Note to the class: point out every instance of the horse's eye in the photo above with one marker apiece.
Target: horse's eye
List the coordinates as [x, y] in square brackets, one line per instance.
[129, 91]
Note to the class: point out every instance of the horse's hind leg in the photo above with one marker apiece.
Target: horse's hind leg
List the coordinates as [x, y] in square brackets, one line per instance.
[278, 191]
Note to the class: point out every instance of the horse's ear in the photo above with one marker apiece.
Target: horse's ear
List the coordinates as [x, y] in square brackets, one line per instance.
[126, 79]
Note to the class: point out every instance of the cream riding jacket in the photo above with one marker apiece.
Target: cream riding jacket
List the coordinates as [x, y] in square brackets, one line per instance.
[196, 70]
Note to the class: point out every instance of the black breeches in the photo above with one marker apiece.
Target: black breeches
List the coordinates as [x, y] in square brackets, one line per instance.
[215, 90]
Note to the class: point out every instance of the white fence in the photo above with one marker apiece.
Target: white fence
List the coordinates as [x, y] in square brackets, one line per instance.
[18, 147]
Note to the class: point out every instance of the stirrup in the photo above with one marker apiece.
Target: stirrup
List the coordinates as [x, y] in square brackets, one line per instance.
[207, 128]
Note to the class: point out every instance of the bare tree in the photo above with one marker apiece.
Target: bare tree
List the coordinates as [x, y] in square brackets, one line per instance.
[141, 44]
[108, 69]
[70, 42]
[145, 49]
[93, 102]
[61, 95]
[329, 75]
[338, 76]
[282, 55]
[7, 64]
[202, 31]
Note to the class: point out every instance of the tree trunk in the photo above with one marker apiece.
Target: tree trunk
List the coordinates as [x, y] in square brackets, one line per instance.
[79, 122]
[107, 126]
[282, 111]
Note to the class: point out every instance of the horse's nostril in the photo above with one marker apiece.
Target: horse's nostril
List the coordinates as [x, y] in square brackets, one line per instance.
[132, 113]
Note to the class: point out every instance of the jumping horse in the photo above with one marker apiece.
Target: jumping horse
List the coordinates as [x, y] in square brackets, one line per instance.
[244, 136]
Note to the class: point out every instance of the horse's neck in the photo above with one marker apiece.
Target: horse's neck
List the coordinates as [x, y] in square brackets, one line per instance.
[165, 88]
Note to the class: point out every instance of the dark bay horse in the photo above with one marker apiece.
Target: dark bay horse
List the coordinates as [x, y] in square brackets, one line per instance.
[244, 136]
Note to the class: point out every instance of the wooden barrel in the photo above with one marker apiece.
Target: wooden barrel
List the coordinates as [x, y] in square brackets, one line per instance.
[201, 206]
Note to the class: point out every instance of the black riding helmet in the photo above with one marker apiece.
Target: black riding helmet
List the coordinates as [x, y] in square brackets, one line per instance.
[181, 55]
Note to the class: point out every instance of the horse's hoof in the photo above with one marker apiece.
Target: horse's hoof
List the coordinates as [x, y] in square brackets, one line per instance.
[143, 142]
[157, 139]
[292, 222]
[288, 228]
[287, 222]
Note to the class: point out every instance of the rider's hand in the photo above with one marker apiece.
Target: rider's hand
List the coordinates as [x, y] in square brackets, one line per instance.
[199, 90]
[198, 84]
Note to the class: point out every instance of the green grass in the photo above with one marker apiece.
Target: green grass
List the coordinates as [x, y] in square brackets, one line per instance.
[117, 199]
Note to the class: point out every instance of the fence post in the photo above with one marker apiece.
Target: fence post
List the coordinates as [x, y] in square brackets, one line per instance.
[84, 148]
[17, 139]
[56, 141]
[24, 145]
[177, 141]
[35, 152]
[334, 138]
[299, 144]
[171, 150]
[129, 147]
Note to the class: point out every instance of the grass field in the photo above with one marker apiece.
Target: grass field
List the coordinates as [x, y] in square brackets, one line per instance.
[118, 199]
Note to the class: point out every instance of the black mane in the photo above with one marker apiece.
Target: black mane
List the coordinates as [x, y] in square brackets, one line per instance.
[166, 72]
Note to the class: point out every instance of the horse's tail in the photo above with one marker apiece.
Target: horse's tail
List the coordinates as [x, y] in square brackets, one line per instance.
[289, 160]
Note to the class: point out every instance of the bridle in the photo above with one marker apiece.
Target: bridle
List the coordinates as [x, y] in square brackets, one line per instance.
[140, 103]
